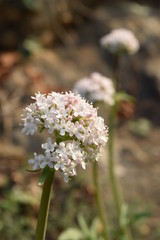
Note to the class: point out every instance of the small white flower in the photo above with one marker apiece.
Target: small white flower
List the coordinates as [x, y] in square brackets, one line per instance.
[41, 101]
[36, 161]
[47, 160]
[120, 40]
[96, 88]
[49, 146]
[30, 126]
[60, 162]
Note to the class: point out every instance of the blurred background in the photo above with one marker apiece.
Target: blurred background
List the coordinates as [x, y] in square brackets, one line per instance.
[47, 45]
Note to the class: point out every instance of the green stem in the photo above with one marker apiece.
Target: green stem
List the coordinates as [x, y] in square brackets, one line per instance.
[113, 179]
[116, 76]
[120, 204]
[44, 207]
[99, 203]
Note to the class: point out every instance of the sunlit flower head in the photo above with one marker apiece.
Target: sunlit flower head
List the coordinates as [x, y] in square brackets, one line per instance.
[76, 134]
[96, 88]
[120, 40]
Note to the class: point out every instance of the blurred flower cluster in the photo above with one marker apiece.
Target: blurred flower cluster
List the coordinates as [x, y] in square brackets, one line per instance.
[120, 40]
[76, 133]
[96, 88]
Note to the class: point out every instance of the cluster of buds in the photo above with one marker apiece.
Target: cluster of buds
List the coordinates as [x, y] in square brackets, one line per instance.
[76, 134]
[120, 40]
[96, 88]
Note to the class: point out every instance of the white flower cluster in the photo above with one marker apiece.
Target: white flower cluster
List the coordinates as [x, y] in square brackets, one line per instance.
[96, 88]
[120, 40]
[76, 133]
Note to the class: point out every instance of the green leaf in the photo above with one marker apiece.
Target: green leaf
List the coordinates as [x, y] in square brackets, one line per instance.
[122, 96]
[94, 229]
[30, 47]
[31, 4]
[124, 215]
[83, 225]
[139, 216]
[71, 234]
[43, 175]
[141, 127]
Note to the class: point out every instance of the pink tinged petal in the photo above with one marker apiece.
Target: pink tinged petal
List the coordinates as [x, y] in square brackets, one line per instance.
[78, 135]
[68, 161]
[70, 118]
[37, 120]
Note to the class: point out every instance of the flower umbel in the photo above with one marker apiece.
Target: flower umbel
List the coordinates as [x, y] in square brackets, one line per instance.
[96, 88]
[76, 133]
[120, 40]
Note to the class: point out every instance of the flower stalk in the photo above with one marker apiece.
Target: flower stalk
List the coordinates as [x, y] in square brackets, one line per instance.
[117, 195]
[99, 204]
[113, 179]
[119, 202]
[44, 206]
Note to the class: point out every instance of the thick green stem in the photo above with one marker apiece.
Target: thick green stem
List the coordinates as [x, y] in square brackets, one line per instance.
[44, 206]
[99, 203]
